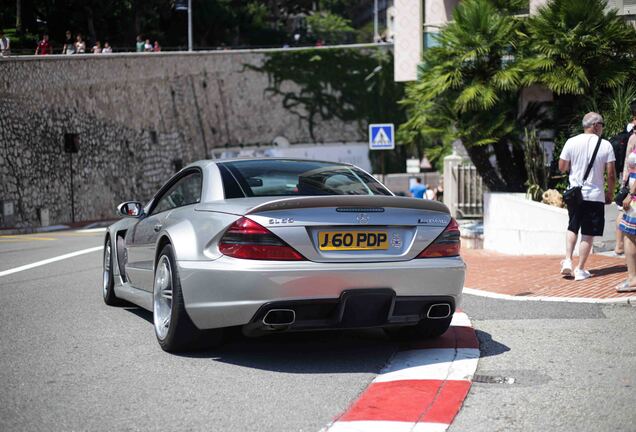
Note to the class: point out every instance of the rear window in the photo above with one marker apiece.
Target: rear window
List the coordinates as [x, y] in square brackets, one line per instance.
[255, 178]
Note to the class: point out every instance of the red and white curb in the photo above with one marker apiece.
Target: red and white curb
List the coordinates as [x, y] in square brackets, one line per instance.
[421, 389]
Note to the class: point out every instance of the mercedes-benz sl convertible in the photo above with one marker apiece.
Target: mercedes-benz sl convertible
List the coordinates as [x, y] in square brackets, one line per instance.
[275, 245]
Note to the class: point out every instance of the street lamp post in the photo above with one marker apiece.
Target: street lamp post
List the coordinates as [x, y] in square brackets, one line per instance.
[376, 35]
[182, 5]
[190, 25]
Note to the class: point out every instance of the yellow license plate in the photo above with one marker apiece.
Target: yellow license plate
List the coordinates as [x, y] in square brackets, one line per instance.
[353, 240]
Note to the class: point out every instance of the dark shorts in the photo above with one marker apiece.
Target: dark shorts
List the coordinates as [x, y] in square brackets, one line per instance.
[589, 217]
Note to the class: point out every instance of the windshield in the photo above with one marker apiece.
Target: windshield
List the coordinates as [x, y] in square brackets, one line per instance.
[279, 177]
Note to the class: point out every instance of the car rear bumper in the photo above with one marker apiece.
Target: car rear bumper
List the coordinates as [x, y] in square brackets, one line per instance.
[230, 292]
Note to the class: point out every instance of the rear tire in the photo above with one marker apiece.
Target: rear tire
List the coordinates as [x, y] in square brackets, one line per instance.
[426, 329]
[108, 278]
[174, 329]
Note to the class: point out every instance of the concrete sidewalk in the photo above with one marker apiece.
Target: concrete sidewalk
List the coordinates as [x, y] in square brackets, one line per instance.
[534, 276]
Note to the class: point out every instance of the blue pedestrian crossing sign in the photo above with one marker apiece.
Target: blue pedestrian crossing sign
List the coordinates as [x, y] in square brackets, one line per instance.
[381, 137]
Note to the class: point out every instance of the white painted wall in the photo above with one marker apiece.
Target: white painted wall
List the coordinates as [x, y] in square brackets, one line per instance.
[515, 225]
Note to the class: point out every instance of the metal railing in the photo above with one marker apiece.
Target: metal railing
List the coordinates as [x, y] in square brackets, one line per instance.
[470, 192]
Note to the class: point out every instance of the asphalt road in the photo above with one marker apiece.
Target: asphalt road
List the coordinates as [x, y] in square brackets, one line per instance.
[69, 362]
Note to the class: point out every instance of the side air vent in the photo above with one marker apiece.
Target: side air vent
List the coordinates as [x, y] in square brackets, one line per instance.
[360, 209]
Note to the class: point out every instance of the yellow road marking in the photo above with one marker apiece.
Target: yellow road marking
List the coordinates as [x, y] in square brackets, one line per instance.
[20, 238]
[77, 234]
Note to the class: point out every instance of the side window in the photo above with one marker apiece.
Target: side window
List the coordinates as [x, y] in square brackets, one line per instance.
[184, 192]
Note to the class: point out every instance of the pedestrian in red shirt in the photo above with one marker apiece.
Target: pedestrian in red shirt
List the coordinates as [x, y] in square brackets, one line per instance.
[44, 47]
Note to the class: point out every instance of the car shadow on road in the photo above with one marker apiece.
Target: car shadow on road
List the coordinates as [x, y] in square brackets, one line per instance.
[347, 351]
[329, 351]
[310, 352]
[489, 347]
[140, 312]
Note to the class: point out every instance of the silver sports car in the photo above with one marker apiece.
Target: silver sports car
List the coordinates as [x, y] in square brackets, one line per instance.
[274, 245]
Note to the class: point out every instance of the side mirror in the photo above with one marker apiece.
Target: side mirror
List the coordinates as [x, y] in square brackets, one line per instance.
[130, 209]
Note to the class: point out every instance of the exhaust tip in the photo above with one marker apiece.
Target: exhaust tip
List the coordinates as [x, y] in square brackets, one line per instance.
[279, 317]
[439, 311]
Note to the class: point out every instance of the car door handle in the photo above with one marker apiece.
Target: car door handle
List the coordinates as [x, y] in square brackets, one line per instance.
[157, 227]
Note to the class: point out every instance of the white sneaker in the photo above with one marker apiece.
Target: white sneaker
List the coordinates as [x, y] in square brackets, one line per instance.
[566, 267]
[580, 274]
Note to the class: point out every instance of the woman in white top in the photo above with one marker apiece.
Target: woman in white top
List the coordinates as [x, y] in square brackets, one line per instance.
[80, 45]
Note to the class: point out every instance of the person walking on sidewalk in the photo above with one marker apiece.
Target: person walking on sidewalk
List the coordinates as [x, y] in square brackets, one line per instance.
[417, 190]
[587, 157]
[625, 172]
[628, 226]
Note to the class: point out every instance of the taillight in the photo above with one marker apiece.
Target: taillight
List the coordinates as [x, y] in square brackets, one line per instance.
[446, 245]
[248, 240]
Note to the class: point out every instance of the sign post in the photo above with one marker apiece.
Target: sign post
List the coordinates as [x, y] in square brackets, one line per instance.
[381, 137]
[71, 145]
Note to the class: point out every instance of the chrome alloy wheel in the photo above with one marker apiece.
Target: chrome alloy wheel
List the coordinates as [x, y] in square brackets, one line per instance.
[162, 297]
[107, 268]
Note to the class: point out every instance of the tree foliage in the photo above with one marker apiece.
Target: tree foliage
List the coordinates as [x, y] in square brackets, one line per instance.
[467, 89]
[350, 85]
[215, 22]
[469, 85]
[329, 27]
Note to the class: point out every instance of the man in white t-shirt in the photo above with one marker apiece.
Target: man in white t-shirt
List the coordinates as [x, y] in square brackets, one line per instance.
[589, 217]
[5, 45]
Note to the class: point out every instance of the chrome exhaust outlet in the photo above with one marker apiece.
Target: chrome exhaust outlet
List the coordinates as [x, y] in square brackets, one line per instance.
[439, 311]
[277, 318]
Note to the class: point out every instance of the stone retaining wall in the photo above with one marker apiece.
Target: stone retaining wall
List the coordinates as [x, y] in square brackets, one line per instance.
[139, 117]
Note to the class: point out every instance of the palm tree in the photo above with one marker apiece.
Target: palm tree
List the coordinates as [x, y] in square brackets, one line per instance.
[580, 52]
[468, 88]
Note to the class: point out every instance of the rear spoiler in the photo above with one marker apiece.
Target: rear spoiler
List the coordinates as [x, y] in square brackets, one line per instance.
[353, 202]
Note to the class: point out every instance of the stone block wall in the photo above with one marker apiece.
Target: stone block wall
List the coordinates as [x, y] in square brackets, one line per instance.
[138, 117]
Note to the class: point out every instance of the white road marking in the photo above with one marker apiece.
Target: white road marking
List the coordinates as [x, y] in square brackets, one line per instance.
[91, 230]
[50, 260]
[482, 293]
[384, 426]
[460, 319]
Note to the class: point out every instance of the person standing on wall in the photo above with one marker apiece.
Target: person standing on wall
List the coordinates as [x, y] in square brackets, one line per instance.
[69, 46]
[587, 153]
[5, 45]
[44, 47]
[139, 44]
[80, 45]
[418, 189]
[628, 139]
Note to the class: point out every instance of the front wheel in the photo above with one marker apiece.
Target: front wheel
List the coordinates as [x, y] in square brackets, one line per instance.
[174, 330]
